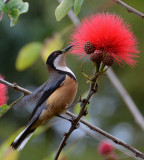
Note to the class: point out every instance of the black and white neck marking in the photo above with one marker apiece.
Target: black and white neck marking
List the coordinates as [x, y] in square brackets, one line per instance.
[61, 67]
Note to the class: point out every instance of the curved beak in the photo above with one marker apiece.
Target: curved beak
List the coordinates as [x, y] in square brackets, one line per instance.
[67, 48]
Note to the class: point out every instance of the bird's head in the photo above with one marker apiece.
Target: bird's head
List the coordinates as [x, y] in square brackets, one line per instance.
[56, 59]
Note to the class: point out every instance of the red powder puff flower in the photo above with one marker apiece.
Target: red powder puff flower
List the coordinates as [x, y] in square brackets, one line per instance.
[105, 148]
[3, 93]
[109, 34]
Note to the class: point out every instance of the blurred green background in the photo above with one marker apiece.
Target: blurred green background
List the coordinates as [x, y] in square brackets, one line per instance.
[106, 110]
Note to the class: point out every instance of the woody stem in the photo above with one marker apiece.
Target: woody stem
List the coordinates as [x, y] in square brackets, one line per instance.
[75, 123]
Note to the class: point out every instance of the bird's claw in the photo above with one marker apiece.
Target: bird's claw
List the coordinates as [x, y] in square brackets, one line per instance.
[76, 126]
[84, 101]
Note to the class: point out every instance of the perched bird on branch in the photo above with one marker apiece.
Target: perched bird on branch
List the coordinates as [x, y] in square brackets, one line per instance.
[55, 95]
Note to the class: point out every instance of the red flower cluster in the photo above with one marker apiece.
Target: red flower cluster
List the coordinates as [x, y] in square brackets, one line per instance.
[109, 34]
[105, 148]
[3, 93]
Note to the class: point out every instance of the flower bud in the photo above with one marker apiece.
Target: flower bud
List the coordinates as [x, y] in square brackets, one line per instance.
[108, 60]
[105, 148]
[96, 57]
[89, 47]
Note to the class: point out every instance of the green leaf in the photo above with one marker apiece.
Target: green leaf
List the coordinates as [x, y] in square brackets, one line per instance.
[3, 109]
[52, 44]
[63, 9]
[77, 6]
[28, 55]
[87, 77]
[13, 9]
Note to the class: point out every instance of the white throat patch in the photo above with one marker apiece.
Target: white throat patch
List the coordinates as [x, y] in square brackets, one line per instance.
[62, 67]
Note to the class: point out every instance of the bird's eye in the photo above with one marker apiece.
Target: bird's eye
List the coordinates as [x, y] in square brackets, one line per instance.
[56, 54]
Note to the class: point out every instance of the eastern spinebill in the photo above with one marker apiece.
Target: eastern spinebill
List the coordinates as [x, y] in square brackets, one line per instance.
[56, 94]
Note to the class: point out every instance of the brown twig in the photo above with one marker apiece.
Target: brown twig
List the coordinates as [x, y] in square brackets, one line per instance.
[129, 8]
[16, 87]
[92, 127]
[100, 138]
[83, 112]
[105, 134]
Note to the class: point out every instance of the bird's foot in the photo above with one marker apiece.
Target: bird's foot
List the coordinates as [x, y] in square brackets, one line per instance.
[70, 120]
[75, 125]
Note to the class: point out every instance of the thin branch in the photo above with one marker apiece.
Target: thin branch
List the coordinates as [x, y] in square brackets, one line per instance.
[16, 87]
[83, 112]
[92, 127]
[126, 98]
[117, 84]
[109, 136]
[15, 102]
[4, 111]
[129, 8]
[100, 138]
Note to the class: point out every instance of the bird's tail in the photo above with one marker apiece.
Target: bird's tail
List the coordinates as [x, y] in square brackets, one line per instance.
[22, 138]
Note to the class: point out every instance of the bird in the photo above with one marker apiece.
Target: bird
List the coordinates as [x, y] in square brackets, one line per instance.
[55, 96]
